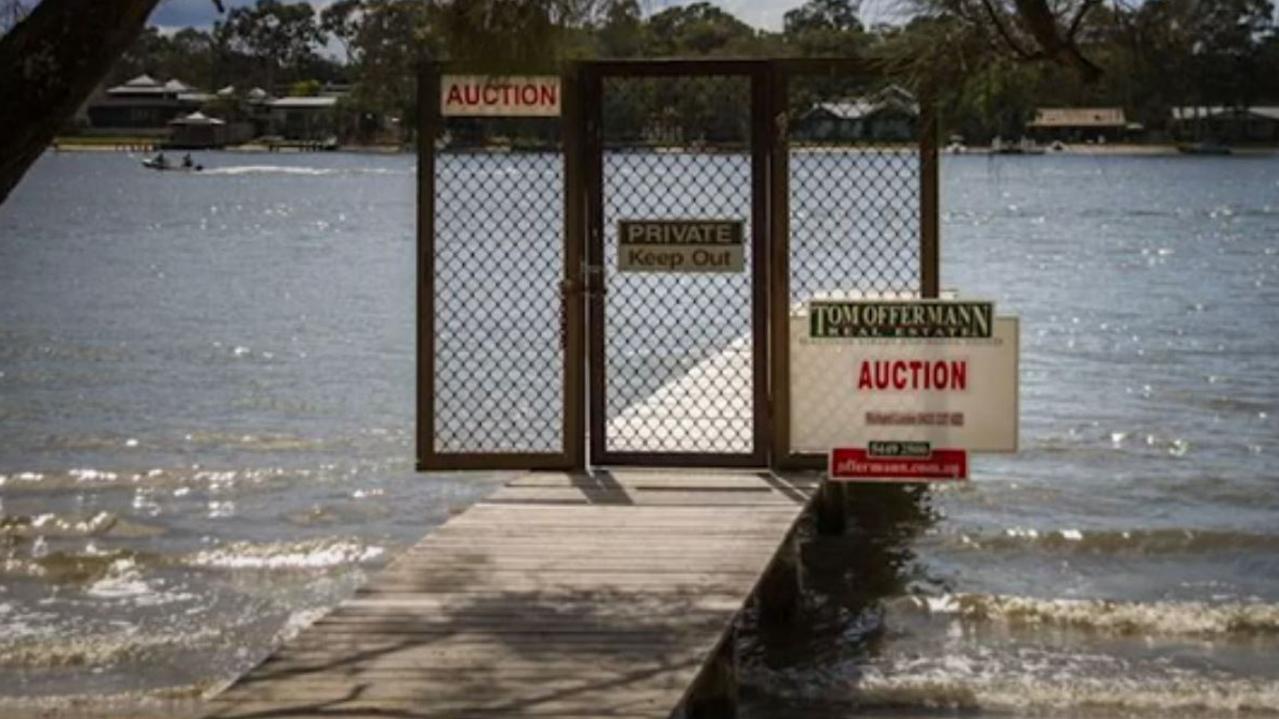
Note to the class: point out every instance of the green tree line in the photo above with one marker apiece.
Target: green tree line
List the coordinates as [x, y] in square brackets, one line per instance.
[1151, 56]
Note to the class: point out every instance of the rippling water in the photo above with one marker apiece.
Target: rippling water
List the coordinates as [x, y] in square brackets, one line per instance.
[206, 409]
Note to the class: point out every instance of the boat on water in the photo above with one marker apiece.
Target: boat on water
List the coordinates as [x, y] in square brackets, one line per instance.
[1024, 146]
[160, 163]
[1203, 148]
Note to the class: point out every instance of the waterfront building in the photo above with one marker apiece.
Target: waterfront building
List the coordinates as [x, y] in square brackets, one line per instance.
[889, 115]
[303, 118]
[1225, 124]
[1081, 124]
[144, 103]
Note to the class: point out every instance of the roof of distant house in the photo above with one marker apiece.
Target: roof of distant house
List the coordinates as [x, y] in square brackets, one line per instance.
[892, 97]
[1079, 117]
[196, 118]
[145, 85]
[303, 103]
[1269, 112]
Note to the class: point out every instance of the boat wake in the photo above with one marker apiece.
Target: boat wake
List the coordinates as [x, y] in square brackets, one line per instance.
[304, 171]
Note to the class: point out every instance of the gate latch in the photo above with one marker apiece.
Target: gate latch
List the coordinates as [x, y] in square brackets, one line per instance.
[595, 280]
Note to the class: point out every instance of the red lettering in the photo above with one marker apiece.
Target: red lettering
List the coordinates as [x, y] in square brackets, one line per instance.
[881, 377]
[455, 96]
[913, 375]
[548, 95]
[490, 95]
[471, 95]
[528, 95]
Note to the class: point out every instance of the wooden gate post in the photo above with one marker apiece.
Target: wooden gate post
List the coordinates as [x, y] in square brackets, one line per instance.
[831, 508]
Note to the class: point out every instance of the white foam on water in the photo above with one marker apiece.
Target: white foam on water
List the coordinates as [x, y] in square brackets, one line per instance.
[269, 170]
[123, 579]
[1124, 695]
[1156, 619]
[80, 649]
[302, 556]
[92, 475]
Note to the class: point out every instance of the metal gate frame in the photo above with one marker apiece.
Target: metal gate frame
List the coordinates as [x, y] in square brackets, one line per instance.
[779, 229]
[593, 75]
[583, 276]
[572, 320]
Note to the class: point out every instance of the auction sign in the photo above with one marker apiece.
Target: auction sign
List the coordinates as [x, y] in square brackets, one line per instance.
[681, 246]
[941, 372]
[497, 96]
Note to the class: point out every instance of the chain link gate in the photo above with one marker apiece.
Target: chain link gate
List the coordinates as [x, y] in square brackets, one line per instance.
[518, 254]
[499, 334]
[678, 360]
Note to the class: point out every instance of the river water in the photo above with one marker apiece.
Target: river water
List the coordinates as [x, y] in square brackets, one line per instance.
[206, 411]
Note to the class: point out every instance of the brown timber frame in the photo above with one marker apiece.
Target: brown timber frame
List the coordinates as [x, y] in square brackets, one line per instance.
[583, 280]
[572, 452]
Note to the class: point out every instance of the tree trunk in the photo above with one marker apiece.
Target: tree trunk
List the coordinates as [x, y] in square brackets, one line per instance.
[49, 64]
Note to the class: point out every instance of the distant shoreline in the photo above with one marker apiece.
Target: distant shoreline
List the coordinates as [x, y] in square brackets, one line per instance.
[1115, 149]
[75, 144]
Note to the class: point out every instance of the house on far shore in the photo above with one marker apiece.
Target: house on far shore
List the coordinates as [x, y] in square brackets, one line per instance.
[144, 103]
[1225, 124]
[1081, 124]
[304, 118]
[197, 132]
[889, 115]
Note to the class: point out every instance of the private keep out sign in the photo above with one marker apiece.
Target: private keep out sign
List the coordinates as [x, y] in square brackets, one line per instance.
[496, 96]
[680, 246]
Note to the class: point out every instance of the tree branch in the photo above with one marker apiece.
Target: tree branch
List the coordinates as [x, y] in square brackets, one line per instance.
[1005, 33]
[1079, 18]
[50, 63]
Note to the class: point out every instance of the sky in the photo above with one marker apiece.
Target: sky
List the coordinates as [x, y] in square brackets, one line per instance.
[766, 14]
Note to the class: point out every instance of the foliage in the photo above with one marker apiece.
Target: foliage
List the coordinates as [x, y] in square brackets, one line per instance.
[984, 58]
[305, 88]
[825, 27]
[279, 35]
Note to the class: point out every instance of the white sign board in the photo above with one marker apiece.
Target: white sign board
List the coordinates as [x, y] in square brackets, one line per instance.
[955, 392]
[496, 96]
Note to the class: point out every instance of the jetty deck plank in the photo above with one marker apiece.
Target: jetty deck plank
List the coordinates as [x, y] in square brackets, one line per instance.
[558, 596]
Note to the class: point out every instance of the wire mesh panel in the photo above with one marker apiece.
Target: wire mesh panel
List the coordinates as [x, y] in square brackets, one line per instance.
[678, 358]
[856, 182]
[854, 189]
[496, 353]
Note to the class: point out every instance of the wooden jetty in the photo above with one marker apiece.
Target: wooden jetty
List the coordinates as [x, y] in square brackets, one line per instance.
[612, 594]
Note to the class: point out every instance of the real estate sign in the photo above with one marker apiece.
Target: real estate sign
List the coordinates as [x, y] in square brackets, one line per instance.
[499, 96]
[936, 372]
[865, 465]
[680, 246]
